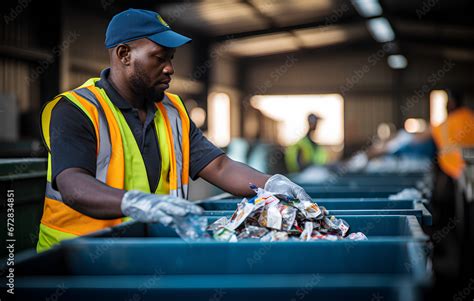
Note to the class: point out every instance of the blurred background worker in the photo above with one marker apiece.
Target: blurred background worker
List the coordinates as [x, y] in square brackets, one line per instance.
[451, 136]
[306, 151]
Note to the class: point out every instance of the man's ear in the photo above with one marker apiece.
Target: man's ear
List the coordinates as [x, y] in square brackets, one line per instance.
[123, 52]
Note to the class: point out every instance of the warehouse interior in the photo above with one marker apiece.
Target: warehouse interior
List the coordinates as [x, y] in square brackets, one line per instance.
[254, 71]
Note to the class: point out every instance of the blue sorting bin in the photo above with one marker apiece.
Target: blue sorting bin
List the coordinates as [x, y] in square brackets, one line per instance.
[390, 227]
[381, 180]
[171, 269]
[330, 204]
[341, 207]
[349, 192]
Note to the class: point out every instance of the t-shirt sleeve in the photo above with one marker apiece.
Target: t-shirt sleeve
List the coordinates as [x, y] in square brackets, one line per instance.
[202, 151]
[73, 140]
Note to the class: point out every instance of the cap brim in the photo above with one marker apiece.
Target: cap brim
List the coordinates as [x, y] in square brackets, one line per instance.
[169, 39]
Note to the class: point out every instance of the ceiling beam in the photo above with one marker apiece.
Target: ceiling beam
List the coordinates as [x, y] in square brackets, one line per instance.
[269, 20]
[453, 53]
[349, 20]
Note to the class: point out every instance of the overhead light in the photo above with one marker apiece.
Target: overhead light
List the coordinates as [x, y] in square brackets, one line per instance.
[219, 118]
[438, 111]
[367, 8]
[198, 116]
[317, 37]
[397, 61]
[381, 30]
[415, 125]
[384, 131]
[263, 45]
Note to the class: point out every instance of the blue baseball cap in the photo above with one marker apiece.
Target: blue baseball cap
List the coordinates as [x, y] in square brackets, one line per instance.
[134, 24]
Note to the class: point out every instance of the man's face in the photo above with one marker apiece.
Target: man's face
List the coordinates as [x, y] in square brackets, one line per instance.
[312, 123]
[150, 69]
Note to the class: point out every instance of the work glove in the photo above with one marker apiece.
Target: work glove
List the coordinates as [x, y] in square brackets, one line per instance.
[278, 184]
[152, 208]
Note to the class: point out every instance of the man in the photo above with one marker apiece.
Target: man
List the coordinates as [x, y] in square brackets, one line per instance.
[451, 136]
[306, 152]
[454, 134]
[120, 146]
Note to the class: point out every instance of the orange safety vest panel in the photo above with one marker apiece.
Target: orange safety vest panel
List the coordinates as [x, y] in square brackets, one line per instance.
[451, 136]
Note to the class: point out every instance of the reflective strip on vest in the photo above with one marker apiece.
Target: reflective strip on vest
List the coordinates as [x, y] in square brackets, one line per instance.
[181, 188]
[105, 147]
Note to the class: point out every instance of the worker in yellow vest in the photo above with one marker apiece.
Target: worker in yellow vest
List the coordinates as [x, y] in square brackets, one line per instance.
[306, 152]
[120, 146]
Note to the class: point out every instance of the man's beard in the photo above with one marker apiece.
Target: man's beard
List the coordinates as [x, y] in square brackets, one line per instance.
[138, 81]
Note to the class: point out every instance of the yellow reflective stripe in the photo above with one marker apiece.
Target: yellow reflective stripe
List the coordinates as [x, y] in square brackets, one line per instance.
[163, 184]
[49, 170]
[49, 237]
[46, 119]
[89, 82]
[135, 170]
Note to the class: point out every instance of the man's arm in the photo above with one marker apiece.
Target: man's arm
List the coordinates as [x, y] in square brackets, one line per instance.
[233, 177]
[73, 153]
[84, 193]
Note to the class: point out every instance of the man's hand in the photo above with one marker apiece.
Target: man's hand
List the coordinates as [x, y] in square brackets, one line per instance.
[152, 208]
[279, 184]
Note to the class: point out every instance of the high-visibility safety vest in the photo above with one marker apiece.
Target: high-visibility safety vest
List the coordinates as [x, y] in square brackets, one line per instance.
[119, 161]
[451, 136]
[310, 154]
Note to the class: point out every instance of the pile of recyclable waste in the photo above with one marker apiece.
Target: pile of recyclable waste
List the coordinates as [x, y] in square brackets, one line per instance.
[272, 217]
